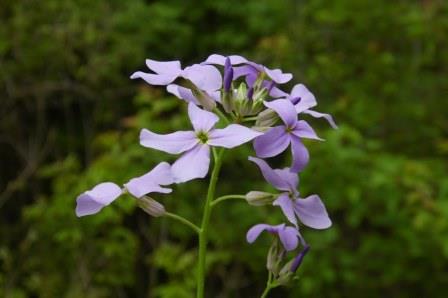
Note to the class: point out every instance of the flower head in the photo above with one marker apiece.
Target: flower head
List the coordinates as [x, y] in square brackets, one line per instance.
[151, 181]
[304, 100]
[278, 138]
[92, 201]
[310, 210]
[103, 194]
[248, 68]
[205, 77]
[289, 236]
[195, 145]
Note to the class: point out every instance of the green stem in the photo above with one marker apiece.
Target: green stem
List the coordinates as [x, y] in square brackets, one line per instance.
[183, 220]
[203, 233]
[228, 197]
[221, 115]
[268, 286]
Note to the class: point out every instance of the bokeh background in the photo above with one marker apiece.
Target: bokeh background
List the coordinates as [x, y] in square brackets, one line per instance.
[70, 118]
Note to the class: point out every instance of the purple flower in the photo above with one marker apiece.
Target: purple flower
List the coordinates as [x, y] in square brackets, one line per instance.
[299, 258]
[289, 236]
[194, 163]
[310, 210]
[221, 60]
[278, 138]
[188, 95]
[303, 100]
[151, 181]
[92, 201]
[228, 75]
[249, 69]
[205, 77]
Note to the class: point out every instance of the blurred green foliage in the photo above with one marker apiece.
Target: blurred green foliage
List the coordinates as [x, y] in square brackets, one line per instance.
[70, 118]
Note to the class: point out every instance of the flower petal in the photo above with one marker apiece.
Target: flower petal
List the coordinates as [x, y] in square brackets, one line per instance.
[289, 238]
[302, 98]
[205, 77]
[151, 181]
[274, 177]
[245, 70]
[192, 164]
[164, 67]
[255, 231]
[312, 213]
[200, 119]
[182, 93]
[220, 59]
[174, 143]
[327, 117]
[165, 72]
[92, 201]
[285, 109]
[277, 75]
[231, 136]
[162, 174]
[304, 130]
[277, 93]
[300, 155]
[272, 143]
[292, 179]
[154, 79]
[299, 258]
[287, 206]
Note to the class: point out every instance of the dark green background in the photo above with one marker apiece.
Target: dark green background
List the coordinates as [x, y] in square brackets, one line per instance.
[70, 117]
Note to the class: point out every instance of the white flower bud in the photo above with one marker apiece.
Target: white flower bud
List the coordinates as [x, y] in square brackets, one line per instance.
[151, 206]
[259, 198]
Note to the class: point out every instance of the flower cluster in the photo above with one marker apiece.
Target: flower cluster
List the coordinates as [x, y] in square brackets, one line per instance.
[231, 101]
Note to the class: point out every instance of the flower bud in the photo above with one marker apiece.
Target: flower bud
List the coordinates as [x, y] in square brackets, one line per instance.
[228, 75]
[259, 198]
[266, 118]
[299, 258]
[284, 277]
[250, 93]
[227, 101]
[204, 99]
[241, 102]
[151, 206]
[272, 261]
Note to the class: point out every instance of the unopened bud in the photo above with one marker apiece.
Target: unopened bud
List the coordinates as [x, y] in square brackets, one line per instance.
[250, 93]
[227, 101]
[241, 92]
[259, 198]
[151, 206]
[266, 118]
[241, 102]
[204, 99]
[272, 260]
[284, 277]
[299, 258]
[228, 75]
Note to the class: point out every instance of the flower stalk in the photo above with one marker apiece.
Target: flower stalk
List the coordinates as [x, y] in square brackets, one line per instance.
[203, 233]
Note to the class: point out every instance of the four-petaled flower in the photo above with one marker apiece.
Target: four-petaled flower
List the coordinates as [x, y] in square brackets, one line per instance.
[249, 68]
[303, 100]
[289, 236]
[204, 77]
[278, 138]
[194, 163]
[310, 210]
[92, 201]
